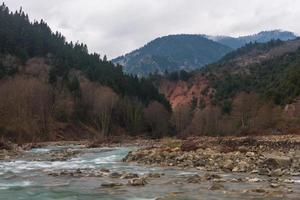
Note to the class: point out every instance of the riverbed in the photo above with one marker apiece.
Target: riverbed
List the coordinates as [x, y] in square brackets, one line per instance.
[28, 177]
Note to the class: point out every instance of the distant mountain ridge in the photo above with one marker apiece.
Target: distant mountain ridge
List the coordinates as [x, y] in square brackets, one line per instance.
[261, 37]
[189, 52]
[172, 53]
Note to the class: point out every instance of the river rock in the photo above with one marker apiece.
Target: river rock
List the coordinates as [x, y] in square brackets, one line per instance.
[250, 154]
[111, 185]
[263, 171]
[189, 146]
[243, 149]
[129, 176]
[208, 176]
[63, 155]
[275, 161]
[276, 172]
[258, 190]
[137, 182]
[242, 166]
[254, 180]
[274, 185]
[115, 175]
[154, 175]
[194, 179]
[216, 186]
[104, 170]
[228, 164]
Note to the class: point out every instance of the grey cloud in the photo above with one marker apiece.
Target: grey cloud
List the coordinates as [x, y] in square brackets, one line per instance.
[115, 27]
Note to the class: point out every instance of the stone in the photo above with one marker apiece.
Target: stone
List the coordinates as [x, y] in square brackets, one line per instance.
[228, 164]
[115, 175]
[242, 166]
[104, 170]
[154, 175]
[216, 186]
[194, 179]
[274, 185]
[137, 182]
[243, 149]
[211, 176]
[129, 176]
[258, 190]
[254, 180]
[263, 171]
[111, 185]
[250, 154]
[276, 172]
[189, 146]
[275, 161]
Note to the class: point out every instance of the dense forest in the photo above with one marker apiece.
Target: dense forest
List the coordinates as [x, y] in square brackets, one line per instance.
[275, 79]
[48, 84]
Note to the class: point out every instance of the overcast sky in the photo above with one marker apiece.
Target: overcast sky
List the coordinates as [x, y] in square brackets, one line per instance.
[116, 27]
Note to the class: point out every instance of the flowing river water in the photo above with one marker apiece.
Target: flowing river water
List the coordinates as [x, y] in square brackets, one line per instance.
[27, 178]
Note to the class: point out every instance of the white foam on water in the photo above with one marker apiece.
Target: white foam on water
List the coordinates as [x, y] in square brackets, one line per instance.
[296, 181]
[105, 160]
[5, 186]
[141, 199]
[39, 150]
[21, 166]
[186, 173]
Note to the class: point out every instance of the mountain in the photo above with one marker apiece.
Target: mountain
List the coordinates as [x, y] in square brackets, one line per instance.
[189, 52]
[172, 53]
[261, 37]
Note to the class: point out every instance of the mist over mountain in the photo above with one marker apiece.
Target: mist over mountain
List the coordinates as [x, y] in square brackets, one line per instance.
[261, 37]
[188, 52]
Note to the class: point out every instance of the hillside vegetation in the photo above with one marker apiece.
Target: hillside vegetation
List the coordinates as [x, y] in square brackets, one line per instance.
[172, 53]
[261, 37]
[253, 90]
[51, 88]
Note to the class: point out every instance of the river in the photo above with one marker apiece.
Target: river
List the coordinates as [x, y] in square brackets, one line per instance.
[27, 178]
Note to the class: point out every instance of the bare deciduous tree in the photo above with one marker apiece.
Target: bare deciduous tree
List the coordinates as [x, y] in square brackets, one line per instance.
[25, 106]
[157, 118]
[99, 102]
[181, 117]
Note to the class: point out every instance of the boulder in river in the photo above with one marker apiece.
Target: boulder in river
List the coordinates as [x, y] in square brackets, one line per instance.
[154, 175]
[115, 175]
[104, 170]
[276, 161]
[137, 182]
[216, 186]
[129, 176]
[111, 185]
[194, 179]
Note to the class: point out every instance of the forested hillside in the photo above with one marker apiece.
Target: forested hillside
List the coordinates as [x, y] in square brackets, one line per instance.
[172, 53]
[50, 87]
[253, 90]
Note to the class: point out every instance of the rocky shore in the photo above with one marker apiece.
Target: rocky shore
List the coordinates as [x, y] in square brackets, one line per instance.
[272, 156]
[227, 166]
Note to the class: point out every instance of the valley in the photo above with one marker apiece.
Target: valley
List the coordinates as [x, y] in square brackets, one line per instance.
[186, 116]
